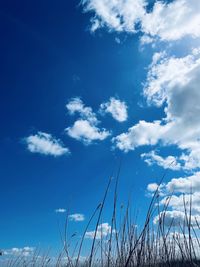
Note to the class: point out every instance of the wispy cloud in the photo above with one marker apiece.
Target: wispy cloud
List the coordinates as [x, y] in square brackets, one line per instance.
[169, 162]
[115, 15]
[116, 107]
[167, 21]
[25, 251]
[76, 105]
[45, 144]
[60, 210]
[77, 217]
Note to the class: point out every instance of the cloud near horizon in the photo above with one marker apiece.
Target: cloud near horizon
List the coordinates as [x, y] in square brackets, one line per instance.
[103, 230]
[180, 190]
[25, 251]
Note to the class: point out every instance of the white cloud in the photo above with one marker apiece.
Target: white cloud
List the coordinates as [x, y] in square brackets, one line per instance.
[143, 133]
[173, 21]
[173, 82]
[167, 21]
[180, 193]
[181, 185]
[167, 73]
[86, 132]
[84, 129]
[179, 241]
[103, 230]
[152, 187]
[169, 162]
[120, 15]
[60, 210]
[146, 39]
[25, 251]
[117, 108]
[45, 144]
[182, 201]
[175, 218]
[76, 105]
[77, 217]
[184, 184]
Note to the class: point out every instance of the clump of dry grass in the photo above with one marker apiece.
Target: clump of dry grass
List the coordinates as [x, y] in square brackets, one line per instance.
[127, 245]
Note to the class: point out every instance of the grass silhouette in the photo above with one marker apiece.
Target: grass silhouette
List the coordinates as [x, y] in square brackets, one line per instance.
[126, 245]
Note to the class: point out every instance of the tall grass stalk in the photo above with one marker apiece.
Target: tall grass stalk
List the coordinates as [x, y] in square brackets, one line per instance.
[164, 244]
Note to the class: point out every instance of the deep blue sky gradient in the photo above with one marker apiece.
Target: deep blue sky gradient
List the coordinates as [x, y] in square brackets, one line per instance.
[48, 56]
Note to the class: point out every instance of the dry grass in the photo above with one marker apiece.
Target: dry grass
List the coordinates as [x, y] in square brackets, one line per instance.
[126, 244]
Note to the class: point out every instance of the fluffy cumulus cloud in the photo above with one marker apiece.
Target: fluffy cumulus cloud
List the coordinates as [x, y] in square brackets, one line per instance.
[77, 217]
[175, 218]
[184, 184]
[103, 230]
[166, 21]
[168, 75]
[85, 128]
[117, 108]
[179, 202]
[86, 132]
[143, 133]
[152, 187]
[45, 144]
[173, 21]
[173, 82]
[179, 193]
[181, 185]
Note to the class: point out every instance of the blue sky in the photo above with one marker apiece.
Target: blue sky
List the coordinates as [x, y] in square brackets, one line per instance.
[84, 85]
